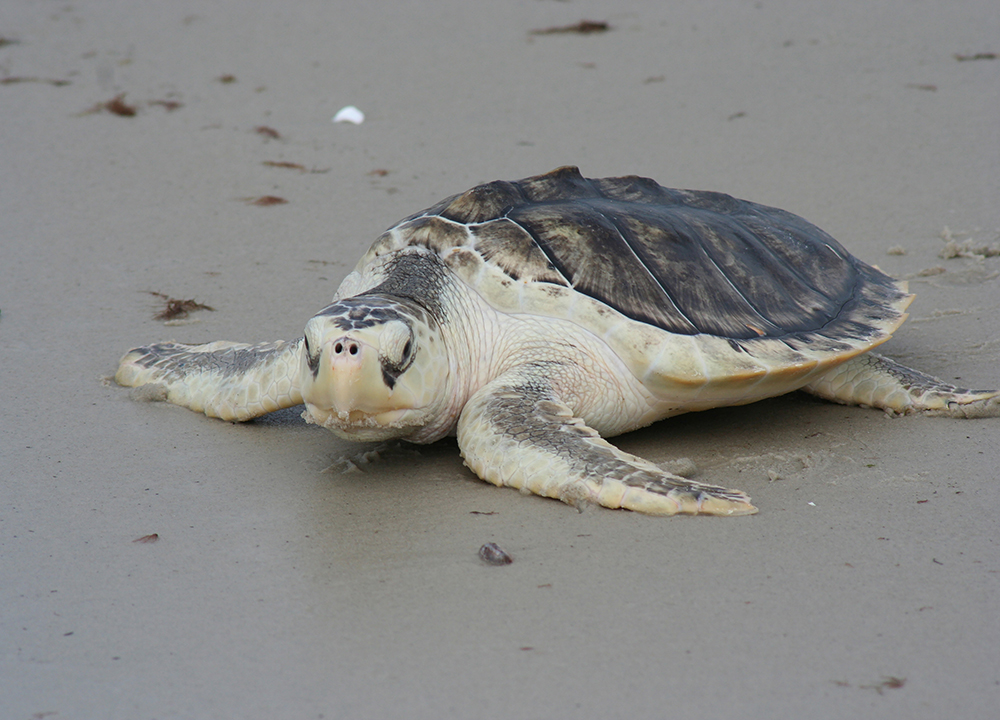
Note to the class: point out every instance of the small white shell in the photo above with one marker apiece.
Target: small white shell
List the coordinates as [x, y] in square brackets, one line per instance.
[349, 114]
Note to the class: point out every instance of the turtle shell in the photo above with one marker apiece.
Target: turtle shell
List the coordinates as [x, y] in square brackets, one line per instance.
[696, 291]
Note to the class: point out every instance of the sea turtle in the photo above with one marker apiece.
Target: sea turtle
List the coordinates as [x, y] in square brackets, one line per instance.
[536, 318]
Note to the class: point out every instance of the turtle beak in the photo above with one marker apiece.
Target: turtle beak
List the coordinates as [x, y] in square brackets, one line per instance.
[355, 376]
[351, 377]
[349, 387]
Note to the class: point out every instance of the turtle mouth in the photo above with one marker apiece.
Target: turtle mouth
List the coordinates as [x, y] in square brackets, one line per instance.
[361, 425]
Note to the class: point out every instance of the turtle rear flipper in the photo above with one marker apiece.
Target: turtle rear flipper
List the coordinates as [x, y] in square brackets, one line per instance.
[876, 381]
[232, 381]
[515, 432]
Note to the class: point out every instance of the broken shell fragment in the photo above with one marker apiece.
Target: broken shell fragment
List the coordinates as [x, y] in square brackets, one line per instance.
[349, 114]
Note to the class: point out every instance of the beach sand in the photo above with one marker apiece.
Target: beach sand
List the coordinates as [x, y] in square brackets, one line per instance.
[867, 586]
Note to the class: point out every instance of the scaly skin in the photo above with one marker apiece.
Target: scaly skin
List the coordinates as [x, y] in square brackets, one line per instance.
[872, 380]
[231, 381]
[514, 432]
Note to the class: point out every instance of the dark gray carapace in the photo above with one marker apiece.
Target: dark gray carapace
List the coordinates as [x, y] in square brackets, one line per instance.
[686, 261]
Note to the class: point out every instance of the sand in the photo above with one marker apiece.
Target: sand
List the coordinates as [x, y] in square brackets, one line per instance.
[867, 586]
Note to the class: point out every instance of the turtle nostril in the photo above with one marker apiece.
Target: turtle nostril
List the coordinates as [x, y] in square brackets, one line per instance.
[346, 345]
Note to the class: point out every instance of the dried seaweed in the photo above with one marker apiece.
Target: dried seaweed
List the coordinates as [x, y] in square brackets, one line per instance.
[888, 683]
[175, 309]
[584, 27]
[115, 106]
[168, 105]
[118, 106]
[293, 166]
[32, 79]
[975, 56]
[268, 132]
[267, 201]
[286, 165]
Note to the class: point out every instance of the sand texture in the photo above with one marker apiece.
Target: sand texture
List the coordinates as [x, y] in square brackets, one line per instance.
[156, 564]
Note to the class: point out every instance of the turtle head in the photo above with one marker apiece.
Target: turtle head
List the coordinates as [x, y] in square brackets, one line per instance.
[374, 368]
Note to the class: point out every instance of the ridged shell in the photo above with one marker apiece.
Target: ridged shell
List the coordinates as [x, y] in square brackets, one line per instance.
[693, 289]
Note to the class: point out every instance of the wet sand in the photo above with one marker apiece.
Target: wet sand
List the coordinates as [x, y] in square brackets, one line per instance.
[867, 586]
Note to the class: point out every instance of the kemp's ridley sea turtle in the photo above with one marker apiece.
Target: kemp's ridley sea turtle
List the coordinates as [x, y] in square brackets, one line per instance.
[536, 318]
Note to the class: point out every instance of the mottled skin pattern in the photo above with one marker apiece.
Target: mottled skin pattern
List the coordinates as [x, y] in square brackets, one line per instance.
[231, 381]
[534, 319]
[872, 380]
[516, 432]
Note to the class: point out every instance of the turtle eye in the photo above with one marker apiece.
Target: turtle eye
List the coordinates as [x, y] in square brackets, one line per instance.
[406, 350]
[305, 339]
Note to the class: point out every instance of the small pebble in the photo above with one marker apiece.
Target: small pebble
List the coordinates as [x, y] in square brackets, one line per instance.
[492, 554]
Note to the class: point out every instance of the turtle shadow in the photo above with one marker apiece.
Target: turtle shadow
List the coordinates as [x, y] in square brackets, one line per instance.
[286, 417]
[794, 435]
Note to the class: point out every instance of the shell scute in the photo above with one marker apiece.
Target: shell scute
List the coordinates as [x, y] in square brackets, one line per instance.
[509, 246]
[464, 260]
[799, 247]
[565, 183]
[481, 203]
[383, 244]
[434, 233]
[633, 188]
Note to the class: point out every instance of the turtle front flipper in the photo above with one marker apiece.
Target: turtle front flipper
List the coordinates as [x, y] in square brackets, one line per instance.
[516, 432]
[232, 381]
[876, 381]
